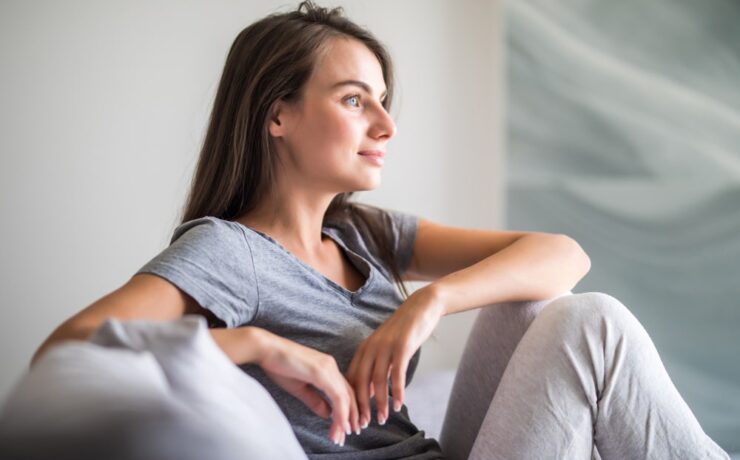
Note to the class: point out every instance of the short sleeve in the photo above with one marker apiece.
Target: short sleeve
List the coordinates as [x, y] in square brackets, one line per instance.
[403, 228]
[211, 261]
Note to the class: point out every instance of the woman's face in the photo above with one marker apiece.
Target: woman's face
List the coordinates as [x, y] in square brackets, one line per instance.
[320, 137]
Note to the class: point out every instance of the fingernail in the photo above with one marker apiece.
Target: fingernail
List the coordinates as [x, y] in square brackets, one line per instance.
[381, 420]
[358, 431]
[365, 424]
[397, 405]
[348, 432]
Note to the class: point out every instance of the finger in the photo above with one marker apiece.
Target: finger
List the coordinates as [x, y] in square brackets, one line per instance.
[354, 413]
[361, 384]
[335, 430]
[340, 414]
[372, 387]
[380, 380]
[351, 376]
[352, 368]
[328, 379]
[314, 401]
[344, 412]
[356, 360]
[398, 377]
[305, 392]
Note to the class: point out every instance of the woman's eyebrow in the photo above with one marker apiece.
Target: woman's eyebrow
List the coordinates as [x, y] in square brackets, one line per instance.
[359, 83]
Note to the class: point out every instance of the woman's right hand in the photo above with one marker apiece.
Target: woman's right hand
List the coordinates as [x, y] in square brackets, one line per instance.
[300, 371]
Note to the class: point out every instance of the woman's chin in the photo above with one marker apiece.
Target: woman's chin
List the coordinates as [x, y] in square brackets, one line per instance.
[366, 186]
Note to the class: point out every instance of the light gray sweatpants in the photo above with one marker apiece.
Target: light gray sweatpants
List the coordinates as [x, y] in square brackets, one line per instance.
[574, 377]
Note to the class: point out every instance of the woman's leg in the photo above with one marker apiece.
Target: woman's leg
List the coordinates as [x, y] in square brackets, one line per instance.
[586, 373]
[492, 340]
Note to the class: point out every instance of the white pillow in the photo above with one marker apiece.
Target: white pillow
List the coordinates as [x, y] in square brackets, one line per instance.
[143, 389]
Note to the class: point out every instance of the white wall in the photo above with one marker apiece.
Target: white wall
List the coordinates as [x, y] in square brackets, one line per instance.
[104, 105]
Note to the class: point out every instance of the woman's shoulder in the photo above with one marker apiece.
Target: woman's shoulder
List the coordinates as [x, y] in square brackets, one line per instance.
[209, 228]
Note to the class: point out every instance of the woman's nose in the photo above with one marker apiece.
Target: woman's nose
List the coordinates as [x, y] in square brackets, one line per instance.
[384, 126]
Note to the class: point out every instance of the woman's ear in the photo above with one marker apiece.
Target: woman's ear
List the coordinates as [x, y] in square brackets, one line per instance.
[277, 119]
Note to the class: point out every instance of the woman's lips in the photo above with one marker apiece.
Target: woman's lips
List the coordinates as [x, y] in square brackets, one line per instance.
[378, 153]
[373, 156]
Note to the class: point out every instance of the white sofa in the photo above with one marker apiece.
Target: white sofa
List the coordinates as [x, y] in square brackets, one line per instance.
[79, 400]
[163, 390]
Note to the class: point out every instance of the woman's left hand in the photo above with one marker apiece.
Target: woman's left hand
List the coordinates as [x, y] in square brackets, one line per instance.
[387, 351]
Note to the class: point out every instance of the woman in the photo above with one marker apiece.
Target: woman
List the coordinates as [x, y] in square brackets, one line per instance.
[297, 281]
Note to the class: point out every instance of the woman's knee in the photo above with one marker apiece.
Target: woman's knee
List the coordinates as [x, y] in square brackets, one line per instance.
[507, 314]
[592, 310]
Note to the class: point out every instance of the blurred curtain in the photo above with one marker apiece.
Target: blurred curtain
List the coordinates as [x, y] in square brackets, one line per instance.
[623, 131]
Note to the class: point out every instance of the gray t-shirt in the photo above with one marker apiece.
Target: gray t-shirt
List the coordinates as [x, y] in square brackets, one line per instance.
[245, 277]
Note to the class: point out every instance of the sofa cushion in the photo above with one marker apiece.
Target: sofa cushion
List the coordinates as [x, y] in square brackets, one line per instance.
[143, 389]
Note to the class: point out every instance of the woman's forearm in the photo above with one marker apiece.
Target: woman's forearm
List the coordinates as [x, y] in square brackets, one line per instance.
[532, 268]
[242, 344]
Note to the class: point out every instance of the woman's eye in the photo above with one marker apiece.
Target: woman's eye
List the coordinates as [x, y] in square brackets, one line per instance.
[354, 97]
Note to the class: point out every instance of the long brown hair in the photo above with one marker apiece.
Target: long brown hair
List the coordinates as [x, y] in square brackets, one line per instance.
[270, 60]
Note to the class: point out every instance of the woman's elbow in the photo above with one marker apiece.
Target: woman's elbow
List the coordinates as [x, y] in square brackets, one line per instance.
[577, 255]
[584, 259]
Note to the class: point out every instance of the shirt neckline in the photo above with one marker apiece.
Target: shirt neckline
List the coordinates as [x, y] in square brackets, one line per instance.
[366, 268]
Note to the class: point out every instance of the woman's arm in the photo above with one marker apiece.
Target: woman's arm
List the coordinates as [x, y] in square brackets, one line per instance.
[297, 369]
[504, 266]
[534, 267]
[475, 267]
[147, 296]
[242, 344]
